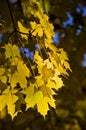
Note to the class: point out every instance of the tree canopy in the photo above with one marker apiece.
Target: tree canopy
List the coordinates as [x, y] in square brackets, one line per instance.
[34, 65]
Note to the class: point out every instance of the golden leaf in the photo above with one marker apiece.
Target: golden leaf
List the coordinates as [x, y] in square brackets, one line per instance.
[23, 30]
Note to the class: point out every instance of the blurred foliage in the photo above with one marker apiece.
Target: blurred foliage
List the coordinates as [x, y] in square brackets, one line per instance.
[70, 113]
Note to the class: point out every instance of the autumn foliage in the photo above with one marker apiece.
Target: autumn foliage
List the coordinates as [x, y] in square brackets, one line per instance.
[26, 80]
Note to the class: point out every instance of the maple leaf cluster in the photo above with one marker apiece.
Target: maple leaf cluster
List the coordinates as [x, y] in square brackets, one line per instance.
[37, 78]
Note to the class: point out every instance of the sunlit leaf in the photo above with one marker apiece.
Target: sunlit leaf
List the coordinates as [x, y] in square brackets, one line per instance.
[29, 96]
[8, 99]
[2, 102]
[39, 61]
[42, 103]
[38, 31]
[11, 99]
[47, 73]
[3, 78]
[37, 98]
[11, 51]
[39, 81]
[20, 75]
[32, 81]
[23, 30]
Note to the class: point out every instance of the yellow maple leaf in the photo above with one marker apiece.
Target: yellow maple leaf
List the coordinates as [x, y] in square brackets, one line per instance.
[39, 61]
[23, 30]
[29, 92]
[3, 78]
[8, 99]
[20, 75]
[54, 84]
[42, 103]
[11, 51]
[39, 81]
[47, 73]
[11, 99]
[2, 102]
[48, 27]
[38, 31]
[37, 98]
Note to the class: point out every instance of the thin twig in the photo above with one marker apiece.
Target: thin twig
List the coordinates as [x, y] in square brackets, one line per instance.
[11, 14]
[15, 31]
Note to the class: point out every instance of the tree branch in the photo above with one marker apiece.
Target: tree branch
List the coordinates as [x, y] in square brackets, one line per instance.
[8, 3]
